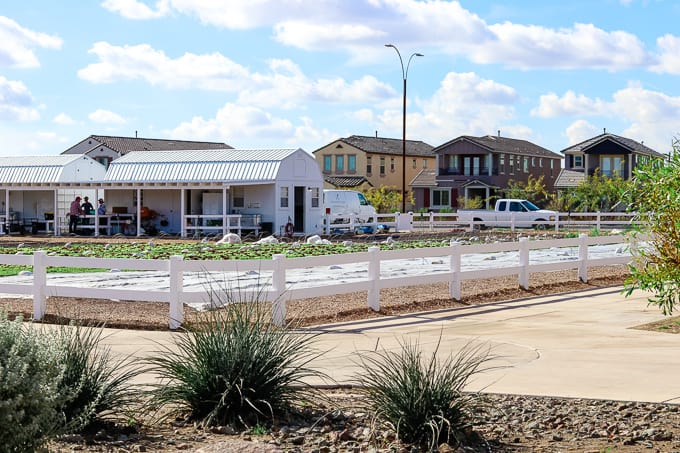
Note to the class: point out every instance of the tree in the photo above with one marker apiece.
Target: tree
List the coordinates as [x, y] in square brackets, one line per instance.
[533, 190]
[598, 193]
[386, 198]
[655, 196]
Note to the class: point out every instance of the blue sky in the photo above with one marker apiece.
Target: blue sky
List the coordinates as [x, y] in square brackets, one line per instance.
[301, 73]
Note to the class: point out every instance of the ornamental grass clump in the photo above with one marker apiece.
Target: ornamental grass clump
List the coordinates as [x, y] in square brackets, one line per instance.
[95, 387]
[422, 398]
[234, 367]
[29, 372]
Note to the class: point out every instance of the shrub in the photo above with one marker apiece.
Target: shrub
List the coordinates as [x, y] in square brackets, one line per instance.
[94, 387]
[234, 367]
[29, 371]
[421, 399]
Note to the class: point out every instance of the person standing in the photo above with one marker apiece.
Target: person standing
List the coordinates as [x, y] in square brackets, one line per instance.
[101, 211]
[73, 214]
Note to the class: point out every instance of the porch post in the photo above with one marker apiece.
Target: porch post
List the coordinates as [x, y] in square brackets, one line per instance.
[96, 213]
[55, 217]
[182, 220]
[224, 211]
[139, 212]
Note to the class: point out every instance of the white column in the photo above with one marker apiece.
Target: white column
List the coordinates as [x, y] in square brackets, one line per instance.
[224, 210]
[182, 212]
[139, 212]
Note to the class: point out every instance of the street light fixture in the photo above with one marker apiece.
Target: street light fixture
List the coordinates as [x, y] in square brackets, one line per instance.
[404, 74]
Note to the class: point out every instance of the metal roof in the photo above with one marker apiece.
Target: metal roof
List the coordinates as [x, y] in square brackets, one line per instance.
[226, 165]
[34, 169]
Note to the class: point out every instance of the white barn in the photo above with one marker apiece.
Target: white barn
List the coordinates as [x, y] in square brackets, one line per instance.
[36, 190]
[203, 191]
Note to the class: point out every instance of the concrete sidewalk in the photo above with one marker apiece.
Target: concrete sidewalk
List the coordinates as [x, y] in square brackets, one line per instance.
[574, 345]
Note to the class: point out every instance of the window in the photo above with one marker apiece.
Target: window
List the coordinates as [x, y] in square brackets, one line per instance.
[339, 164]
[284, 197]
[501, 164]
[441, 197]
[315, 197]
[415, 163]
[237, 196]
[392, 164]
[518, 161]
[369, 166]
[511, 164]
[382, 165]
[578, 162]
[612, 165]
[471, 166]
[424, 164]
[533, 162]
[540, 162]
[352, 163]
[327, 163]
[526, 164]
[453, 164]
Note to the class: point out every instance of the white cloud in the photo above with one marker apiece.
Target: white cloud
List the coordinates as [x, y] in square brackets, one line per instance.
[132, 9]
[284, 85]
[651, 117]
[669, 55]
[16, 101]
[18, 42]
[235, 123]
[464, 104]
[552, 106]
[106, 117]
[361, 27]
[580, 130]
[64, 120]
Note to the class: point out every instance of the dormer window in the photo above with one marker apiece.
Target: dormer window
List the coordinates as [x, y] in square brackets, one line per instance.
[578, 161]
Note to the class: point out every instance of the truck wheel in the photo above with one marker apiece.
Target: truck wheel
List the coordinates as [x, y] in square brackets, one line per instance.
[478, 226]
[540, 226]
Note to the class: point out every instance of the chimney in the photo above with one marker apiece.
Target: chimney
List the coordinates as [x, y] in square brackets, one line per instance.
[604, 129]
[499, 133]
[135, 134]
[376, 134]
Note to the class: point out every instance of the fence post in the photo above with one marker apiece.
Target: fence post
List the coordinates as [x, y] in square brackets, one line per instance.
[374, 278]
[557, 222]
[597, 224]
[583, 257]
[431, 221]
[176, 285]
[39, 284]
[524, 263]
[454, 284]
[396, 221]
[512, 222]
[278, 287]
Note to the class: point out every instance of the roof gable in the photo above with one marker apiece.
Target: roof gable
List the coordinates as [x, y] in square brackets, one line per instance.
[630, 144]
[498, 144]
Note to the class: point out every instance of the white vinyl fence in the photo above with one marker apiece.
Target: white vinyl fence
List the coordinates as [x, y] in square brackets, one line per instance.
[433, 221]
[276, 292]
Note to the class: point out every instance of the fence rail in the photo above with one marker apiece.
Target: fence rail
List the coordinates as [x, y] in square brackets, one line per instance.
[433, 221]
[276, 291]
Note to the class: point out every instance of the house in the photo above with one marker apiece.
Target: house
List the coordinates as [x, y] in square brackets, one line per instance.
[469, 167]
[104, 149]
[197, 191]
[608, 154]
[37, 190]
[378, 160]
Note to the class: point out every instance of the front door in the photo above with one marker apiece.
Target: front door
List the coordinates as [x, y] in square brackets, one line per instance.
[299, 209]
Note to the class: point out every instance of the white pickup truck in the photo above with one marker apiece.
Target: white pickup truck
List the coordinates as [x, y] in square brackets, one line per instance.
[508, 213]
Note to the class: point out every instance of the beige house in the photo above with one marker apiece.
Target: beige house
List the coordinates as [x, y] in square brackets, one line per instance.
[374, 161]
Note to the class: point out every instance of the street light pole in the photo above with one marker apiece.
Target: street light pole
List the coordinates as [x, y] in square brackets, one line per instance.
[404, 74]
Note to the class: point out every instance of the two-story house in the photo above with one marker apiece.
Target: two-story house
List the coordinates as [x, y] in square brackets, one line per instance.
[361, 161]
[607, 154]
[469, 167]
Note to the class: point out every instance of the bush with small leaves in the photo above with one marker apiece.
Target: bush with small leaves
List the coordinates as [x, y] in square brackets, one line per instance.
[421, 399]
[29, 372]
